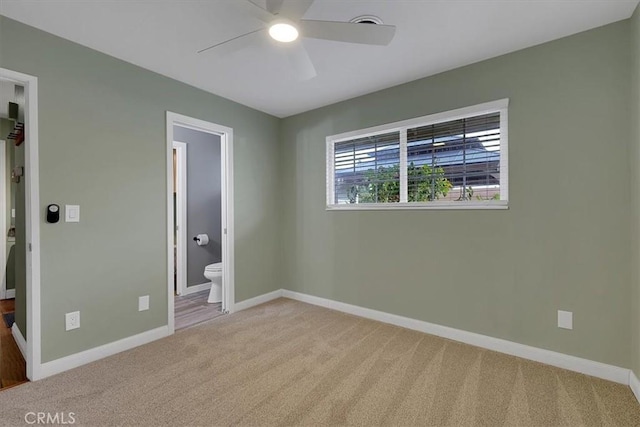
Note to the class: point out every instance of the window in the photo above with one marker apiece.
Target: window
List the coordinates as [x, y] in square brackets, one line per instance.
[451, 160]
[367, 170]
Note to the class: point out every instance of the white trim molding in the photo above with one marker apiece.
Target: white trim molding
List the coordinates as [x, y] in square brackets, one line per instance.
[78, 359]
[180, 149]
[475, 205]
[260, 299]
[634, 383]
[19, 338]
[228, 223]
[560, 360]
[402, 128]
[571, 363]
[171, 262]
[226, 146]
[9, 294]
[3, 218]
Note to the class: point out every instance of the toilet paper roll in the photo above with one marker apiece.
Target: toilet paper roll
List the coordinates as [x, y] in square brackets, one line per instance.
[202, 239]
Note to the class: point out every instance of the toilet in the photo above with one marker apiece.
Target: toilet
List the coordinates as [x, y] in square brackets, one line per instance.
[213, 272]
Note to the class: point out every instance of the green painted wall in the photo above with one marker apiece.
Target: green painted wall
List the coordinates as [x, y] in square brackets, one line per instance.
[635, 167]
[5, 127]
[102, 146]
[563, 243]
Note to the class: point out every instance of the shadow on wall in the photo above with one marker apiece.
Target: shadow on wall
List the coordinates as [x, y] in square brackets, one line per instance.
[10, 270]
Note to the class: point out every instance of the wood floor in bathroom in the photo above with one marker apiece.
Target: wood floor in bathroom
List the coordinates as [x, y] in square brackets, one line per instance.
[193, 309]
[12, 365]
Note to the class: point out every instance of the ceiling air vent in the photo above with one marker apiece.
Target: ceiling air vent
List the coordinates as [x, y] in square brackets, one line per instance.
[367, 19]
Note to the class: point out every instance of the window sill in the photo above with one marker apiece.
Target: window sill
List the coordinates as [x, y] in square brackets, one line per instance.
[420, 206]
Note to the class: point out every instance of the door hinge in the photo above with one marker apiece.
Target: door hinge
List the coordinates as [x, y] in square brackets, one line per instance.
[30, 250]
[225, 231]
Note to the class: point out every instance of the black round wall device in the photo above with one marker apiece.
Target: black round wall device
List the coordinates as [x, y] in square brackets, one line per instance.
[53, 213]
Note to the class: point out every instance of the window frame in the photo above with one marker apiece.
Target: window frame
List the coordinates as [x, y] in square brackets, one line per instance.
[499, 106]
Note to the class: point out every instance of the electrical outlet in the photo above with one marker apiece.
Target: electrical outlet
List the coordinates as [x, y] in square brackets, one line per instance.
[565, 319]
[143, 303]
[72, 320]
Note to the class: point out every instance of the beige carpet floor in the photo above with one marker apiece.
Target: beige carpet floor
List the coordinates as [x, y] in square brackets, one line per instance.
[289, 363]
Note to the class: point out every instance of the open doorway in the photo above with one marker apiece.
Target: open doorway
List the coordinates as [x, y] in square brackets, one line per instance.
[200, 243]
[19, 235]
[12, 235]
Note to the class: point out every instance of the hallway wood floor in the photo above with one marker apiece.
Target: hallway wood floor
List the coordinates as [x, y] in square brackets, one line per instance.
[12, 364]
[193, 309]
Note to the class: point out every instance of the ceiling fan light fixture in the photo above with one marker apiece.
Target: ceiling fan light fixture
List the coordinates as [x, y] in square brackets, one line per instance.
[283, 31]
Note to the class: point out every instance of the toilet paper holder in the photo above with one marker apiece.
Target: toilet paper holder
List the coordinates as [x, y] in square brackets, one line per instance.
[201, 239]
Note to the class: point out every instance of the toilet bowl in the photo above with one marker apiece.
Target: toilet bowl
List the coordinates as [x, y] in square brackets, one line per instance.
[213, 272]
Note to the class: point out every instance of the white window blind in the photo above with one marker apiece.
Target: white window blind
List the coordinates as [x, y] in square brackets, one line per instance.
[456, 159]
[367, 170]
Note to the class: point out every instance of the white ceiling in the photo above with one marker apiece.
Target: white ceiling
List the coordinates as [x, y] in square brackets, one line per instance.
[432, 36]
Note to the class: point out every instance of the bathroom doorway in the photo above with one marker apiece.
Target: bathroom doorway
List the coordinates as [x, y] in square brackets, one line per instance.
[199, 213]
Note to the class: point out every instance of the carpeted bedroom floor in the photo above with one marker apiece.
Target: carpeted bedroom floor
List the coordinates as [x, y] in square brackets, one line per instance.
[289, 363]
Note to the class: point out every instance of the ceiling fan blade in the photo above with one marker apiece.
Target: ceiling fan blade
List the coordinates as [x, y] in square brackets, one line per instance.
[250, 8]
[300, 61]
[235, 44]
[274, 6]
[349, 32]
[294, 9]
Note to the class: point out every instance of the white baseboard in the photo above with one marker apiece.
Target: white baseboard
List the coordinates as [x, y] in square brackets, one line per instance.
[260, 299]
[73, 361]
[634, 383]
[572, 363]
[196, 288]
[22, 343]
[560, 360]
[9, 293]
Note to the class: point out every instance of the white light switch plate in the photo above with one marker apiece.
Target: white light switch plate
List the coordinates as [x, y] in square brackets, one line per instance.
[565, 319]
[143, 303]
[72, 213]
[72, 320]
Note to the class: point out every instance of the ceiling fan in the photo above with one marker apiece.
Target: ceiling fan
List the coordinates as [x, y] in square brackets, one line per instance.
[283, 23]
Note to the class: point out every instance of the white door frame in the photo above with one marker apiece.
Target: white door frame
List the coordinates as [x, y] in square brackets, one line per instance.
[226, 143]
[181, 216]
[32, 221]
[3, 218]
